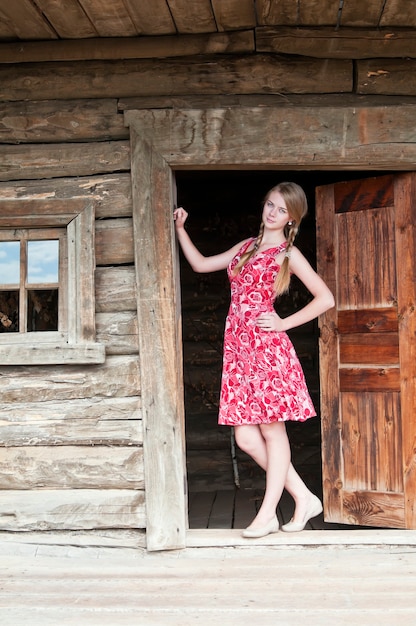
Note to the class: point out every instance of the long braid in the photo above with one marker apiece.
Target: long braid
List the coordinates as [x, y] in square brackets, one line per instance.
[247, 255]
[282, 281]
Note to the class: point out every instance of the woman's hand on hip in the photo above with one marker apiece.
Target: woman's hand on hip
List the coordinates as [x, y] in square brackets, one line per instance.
[270, 322]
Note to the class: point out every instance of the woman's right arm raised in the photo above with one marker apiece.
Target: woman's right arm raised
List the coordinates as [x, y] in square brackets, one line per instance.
[196, 260]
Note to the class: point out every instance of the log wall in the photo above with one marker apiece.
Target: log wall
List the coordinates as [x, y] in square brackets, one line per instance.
[71, 453]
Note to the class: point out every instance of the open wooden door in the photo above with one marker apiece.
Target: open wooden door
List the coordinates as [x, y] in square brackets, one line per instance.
[366, 242]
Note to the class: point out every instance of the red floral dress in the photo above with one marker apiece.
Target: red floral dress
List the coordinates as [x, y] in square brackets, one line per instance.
[262, 379]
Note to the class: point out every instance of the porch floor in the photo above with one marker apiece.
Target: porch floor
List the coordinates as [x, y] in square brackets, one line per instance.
[322, 578]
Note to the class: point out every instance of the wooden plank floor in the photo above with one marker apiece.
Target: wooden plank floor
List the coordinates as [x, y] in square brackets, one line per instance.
[280, 583]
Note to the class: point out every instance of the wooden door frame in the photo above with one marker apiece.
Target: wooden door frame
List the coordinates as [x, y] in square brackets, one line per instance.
[324, 136]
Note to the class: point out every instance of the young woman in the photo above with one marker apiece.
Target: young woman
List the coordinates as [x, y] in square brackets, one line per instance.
[263, 385]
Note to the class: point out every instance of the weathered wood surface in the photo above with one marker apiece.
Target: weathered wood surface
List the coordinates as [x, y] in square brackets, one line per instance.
[115, 289]
[119, 376]
[57, 160]
[71, 509]
[190, 76]
[386, 76]
[345, 136]
[128, 48]
[158, 307]
[91, 421]
[71, 467]
[102, 585]
[76, 120]
[118, 332]
[111, 193]
[345, 43]
[114, 242]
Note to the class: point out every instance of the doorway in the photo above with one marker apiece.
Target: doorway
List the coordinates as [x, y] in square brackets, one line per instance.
[225, 487]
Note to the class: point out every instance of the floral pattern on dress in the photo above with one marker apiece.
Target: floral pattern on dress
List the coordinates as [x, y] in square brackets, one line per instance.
[262, 378]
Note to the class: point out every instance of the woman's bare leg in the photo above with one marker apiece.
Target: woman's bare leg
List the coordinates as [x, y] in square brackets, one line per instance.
[251, 440]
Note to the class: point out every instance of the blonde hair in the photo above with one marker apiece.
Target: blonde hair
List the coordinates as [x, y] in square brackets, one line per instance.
[297, 207]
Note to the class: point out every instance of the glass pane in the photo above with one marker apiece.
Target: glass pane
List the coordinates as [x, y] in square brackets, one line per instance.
[9, 262]
[43, 261]
[42, 310]
[9, 311]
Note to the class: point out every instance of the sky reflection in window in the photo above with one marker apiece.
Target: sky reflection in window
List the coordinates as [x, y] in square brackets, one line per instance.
[43, 261]
[9, 262]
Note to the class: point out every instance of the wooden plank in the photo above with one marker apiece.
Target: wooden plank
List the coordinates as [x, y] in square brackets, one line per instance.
[367, 508]
[346, 43]
[318, 12]
[333, 137]
[118, 332]
[151, 19]
[372, 441]
[66, 509]
[200, 506]
[354, 13]
[386, 76]
[115, 48]
[71, 467]
[222, 510]
[76, 120]
[328, 345]
[369, 379]
[62, 353]
[68, 17]
[365, 348]
[56, 160]
[119, 376]
[368, 320]
[89, 422]
[244, 508]
[398, 13]
[209, 75]
[234, 14]
[26, 20]
[365, 193]
[160, 348]
[282, 12]
[114, 241]
[115, 289]
[363, 283]
[111, 193]
[109, 18]
[191, 18]
[405, 233]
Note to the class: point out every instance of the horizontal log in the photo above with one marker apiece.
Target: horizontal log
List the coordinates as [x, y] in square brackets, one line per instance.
[71, 467]
[345, 43]
[111, 193]
[369, 379]
[88, 422]
[114, 242]
[127, 47]
[77, 509]
[115, 289]
[368, 320]
[370, 349]
[76, 120]
[56, 160]
[386, 76]
[118, 377]
[26, 352]
[209, 75]
[118, 332]
[310, 136]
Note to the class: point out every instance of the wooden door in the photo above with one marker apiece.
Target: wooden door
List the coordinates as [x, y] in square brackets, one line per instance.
[366, 242]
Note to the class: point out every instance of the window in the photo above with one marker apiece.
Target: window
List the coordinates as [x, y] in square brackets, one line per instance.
[47, 262]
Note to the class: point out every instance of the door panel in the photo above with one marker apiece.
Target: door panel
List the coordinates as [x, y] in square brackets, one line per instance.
[366, 241]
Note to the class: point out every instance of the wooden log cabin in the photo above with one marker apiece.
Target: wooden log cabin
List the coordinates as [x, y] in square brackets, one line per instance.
[104, 105]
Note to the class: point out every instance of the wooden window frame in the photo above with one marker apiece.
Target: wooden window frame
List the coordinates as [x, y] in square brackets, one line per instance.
[77, 344]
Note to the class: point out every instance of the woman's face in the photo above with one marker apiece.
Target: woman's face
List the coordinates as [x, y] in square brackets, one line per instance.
[275, 214]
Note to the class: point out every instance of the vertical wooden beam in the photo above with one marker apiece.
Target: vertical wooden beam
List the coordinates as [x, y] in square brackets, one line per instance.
[405, 201]
[160, 348]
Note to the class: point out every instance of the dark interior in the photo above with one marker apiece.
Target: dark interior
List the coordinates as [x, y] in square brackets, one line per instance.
[225, 207]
